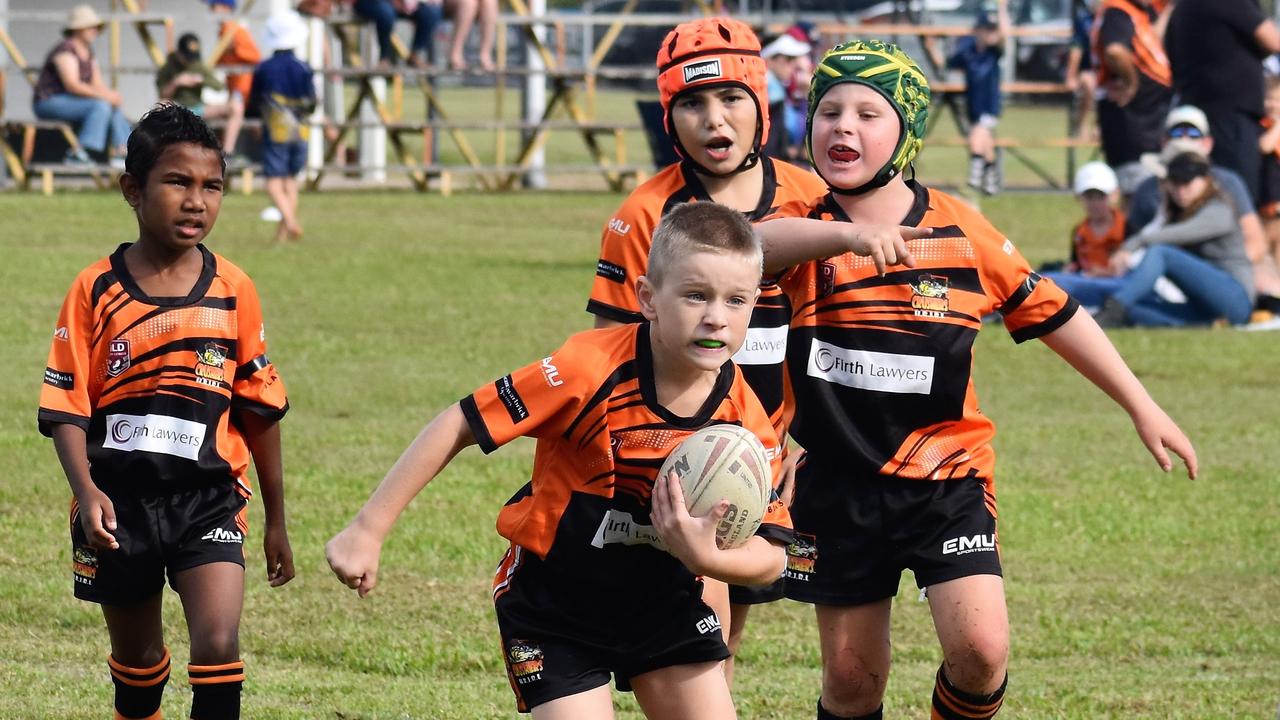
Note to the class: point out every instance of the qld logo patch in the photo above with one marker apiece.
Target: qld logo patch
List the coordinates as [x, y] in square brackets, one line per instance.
[929, 295]
[117, 357]
[802, 555]
[525, 660]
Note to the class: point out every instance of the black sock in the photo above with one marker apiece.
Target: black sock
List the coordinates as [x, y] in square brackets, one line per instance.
[215, 690]
[1270, 303]
[138, 690]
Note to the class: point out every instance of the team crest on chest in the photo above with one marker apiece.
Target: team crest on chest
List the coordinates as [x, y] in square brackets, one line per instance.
[117, 357]
[929, 296]
[209, 361]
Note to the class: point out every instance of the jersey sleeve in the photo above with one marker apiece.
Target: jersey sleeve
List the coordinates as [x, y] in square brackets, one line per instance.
[624, 256]
[1032, 306]
[257, 387]
[540, 399]
[1116, 29]
[64, 396]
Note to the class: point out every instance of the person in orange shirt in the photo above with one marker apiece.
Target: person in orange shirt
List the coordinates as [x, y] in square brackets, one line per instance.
[157, 394]
[890, 281]
[1089, 276]
[603, 575]
[241, 50]
[714, 91]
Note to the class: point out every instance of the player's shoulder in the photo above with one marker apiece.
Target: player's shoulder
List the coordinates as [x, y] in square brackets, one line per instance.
[802, 182]
[651, 196]
[232, 274]
[947, 212]
[598, 351]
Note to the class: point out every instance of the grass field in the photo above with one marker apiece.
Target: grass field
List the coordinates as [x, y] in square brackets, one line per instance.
[1132, 594]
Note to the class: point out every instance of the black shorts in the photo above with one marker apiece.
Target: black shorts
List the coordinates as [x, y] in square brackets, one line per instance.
[757, 594]
[559, 640]
[855, 535]
[158, 533]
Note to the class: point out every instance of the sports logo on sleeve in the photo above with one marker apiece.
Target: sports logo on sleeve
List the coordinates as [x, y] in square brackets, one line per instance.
[118, 357]
[511, 399]
[610, 271]
[59, 379]
[703, 70]
[551, 373]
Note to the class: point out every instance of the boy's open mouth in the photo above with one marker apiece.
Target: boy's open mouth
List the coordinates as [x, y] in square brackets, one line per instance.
[843, 154]
[718, 148]
[709, 344]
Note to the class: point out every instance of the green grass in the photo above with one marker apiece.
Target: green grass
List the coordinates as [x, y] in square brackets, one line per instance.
[1132, 594]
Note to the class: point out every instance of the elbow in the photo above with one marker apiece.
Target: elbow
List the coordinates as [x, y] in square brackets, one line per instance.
[773, 569]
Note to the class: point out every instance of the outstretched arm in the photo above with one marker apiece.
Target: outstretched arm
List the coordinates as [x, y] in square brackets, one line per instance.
[353, 554]
[1086, 348]
[791, 241]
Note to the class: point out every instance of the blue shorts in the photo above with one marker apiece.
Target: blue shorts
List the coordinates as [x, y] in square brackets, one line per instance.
[283, 159]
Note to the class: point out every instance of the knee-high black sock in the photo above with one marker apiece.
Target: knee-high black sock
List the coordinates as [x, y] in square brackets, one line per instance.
[138, 690]
[952, 703]
[215, 690]
[825, 714]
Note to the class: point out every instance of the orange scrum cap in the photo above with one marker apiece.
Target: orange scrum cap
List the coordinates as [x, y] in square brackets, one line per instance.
[709, 52]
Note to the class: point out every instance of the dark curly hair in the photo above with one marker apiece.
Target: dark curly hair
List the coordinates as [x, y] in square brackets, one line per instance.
[164, 125]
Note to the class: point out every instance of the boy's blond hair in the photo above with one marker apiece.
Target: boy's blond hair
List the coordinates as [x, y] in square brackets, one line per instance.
[700, 227]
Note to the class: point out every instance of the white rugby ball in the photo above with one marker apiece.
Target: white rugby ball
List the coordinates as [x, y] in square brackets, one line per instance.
[724, 462]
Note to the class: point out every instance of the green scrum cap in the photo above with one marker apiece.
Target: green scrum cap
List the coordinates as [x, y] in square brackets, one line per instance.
[884, 68]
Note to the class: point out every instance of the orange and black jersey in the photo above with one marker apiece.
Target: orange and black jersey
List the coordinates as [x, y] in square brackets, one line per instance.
[624, 256]
[601, 438]
[881, 366]
[1092, 252]
[152, 380]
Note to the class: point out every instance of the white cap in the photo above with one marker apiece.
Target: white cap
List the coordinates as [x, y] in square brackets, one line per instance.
[286, 31]
[1095, 176]
[1187, 115]
[786, 45]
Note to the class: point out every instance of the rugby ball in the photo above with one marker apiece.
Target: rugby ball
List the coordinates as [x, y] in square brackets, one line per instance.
[724, 462]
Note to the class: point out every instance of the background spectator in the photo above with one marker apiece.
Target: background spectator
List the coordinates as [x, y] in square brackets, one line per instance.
[1216, 48]
[466, 13]
[70, 89]
[783, 57]
[1080, 77]
[184, 75]
[1265, 261]
[425, 15]
[1195, 242]
[284, 95]
[240, 49]
[1134, 72]
[978, 55]
[1089, 276]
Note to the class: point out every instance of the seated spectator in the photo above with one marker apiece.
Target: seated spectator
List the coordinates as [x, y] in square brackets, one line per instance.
[70, 89]
[184, 76]
[1196, 243]
[425, 14]
[466, 13]
[782, 57]
[239, 50]
[1089, 277]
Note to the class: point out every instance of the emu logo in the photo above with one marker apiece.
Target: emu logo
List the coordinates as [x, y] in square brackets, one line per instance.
[551, 373]
[966, 545]
[219, 535]
[616, 225]
[708, 624]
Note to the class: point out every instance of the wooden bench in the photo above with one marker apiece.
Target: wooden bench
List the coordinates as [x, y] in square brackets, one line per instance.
[102, 175]
[446, 175]
[19, 161]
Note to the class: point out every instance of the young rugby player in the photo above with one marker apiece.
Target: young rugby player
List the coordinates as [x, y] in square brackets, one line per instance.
[714, 91]
[900, 470]
[595, 536]
[157, 393]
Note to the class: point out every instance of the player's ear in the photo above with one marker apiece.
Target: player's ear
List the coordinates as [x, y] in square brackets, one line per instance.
[644, 294]
[130, 189]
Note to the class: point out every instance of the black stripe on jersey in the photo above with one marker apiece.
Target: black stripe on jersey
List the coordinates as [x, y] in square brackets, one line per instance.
[1019, 296]
[270, 412]
[252, 367]
[476, 422]
[186, 343]
[46, 419]
[777, 533]
[965, 279]
[947, 231]
[208, 271]
[101, 285]
[609, 312]
[596, 428]
[598, 478]
[145, 374]
[525, 491]
[1054, 322]
[624, 372]
[690, 191]
[906, 460]
[104, 321]
[210, 302]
